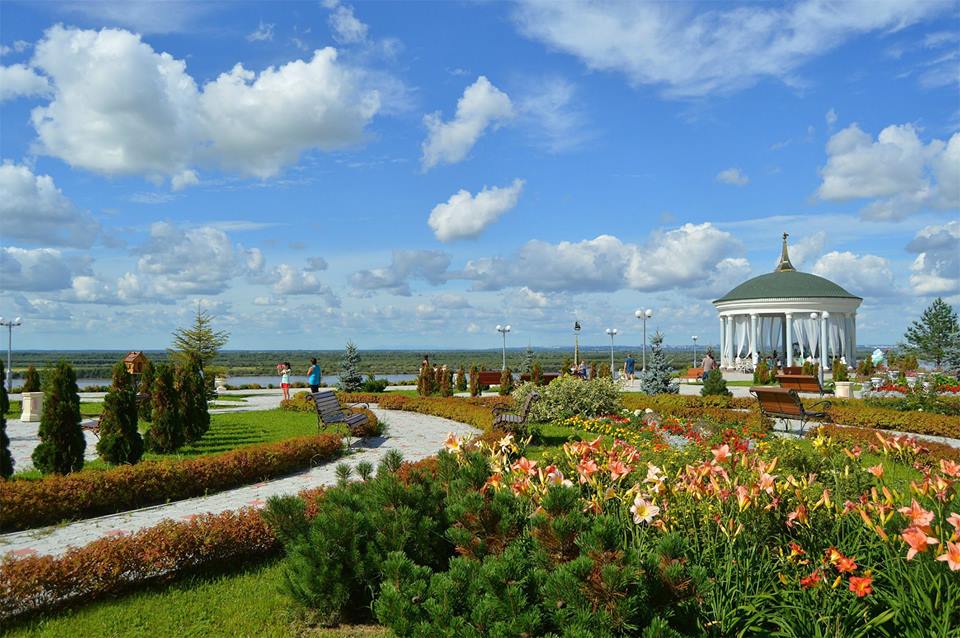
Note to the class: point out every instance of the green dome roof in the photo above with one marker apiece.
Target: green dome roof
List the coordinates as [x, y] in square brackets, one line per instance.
[786, 284]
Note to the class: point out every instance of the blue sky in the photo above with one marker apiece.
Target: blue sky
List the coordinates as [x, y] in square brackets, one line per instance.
[412, 174]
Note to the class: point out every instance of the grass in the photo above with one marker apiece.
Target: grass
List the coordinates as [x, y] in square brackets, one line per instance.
[552, 437]
[87, 410]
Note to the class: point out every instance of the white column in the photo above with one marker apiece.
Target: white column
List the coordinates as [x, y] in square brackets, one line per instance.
[853, 341]
[788, 352]
[723, 337]
[753, 340]
[731, 337]
[823, 340]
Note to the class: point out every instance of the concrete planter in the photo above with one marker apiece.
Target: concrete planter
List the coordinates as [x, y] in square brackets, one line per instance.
[844, 390]
[220, 383]
[32, 406]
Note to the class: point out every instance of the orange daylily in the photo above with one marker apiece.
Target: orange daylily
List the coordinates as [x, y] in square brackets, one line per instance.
[814, 579]
[918, 540]
[861, 585]
[954, 519]
[452, 444]
[876, 470]
[950, 468]
[524, 465]
[721, 454]
[618, 470]
[586, 468]
[952, 556]
[918, 516]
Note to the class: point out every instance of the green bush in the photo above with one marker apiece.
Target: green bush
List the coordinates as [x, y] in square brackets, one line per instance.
[474, 381]
[446, 387]
[506, 382]
[761, 374]
[461, 380]
[145, 387]
[536, 373]
[31, 381]
[120, 441]
[568, 396]
[372, 384]
[194, 413]
[715, 384]
[6, 459]
[166, 434]
[61, 439]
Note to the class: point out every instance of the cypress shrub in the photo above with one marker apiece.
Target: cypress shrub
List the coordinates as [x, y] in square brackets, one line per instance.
[446, 388]
[715, 384]
[536, 373]
[167, 432]
[6, 459]
[146, 387]
[506, 382]
[31, 382]
[474, 381]
[120, 441]
[604, 372]
[193, 400]
[461, 380]
[840, 371]
[761, 374]
[61, 439]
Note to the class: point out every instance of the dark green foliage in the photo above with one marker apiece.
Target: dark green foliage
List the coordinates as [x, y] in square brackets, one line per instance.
[604, 372]
[866, 366]
[658, 377]
[287, 517]
[536, 374]
[145, 387]
[61, 440]
[446, 387]
[166, 434]
[936, 336]
[474, 381]
[761, 374]
[810, 368]
[120, 441]
[840, 371]
[526, 364]
[31, 381]
[461, 380]
[191, 392]
[6, 459]
[715, 384]
[373, 384]
[200, 341]
[506, 382]
[350, 378]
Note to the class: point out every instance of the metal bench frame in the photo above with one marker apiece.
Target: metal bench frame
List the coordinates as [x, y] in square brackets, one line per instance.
[787, 406]
[502, 415]
[330, 412]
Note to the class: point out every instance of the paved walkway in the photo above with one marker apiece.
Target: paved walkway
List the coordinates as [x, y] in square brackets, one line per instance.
[416, 436]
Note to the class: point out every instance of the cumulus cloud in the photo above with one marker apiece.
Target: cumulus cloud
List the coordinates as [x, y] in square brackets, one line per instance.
[693, 53]
[482, 105]
[806, 249]
[35, 269]
[291, 281]
[163, 125]
[33, 209]
[262, 33]
[346, 28]
[18, 80]
[861, 275]
[936, 268]
[428, 265]
[898, 171]
[315, 264]
[733, 176]
[465, 215]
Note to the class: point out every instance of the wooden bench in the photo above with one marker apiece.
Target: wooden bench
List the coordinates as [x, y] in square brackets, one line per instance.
[330, 412]
[94, 428]
[785, 405]
[545, 377]
[694, 374]
[802, 383]
[792, 370]
[506, 421]
[488, 378]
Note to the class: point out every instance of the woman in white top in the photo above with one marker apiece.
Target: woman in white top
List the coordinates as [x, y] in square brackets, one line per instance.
[284, 369]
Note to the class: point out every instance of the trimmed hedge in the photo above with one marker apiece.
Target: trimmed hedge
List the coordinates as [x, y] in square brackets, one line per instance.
[25, 504]
[474, 411]
[865, 416]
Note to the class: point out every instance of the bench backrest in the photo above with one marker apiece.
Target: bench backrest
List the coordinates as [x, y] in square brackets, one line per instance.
[525, 410]
[799, 382]
[328, 405]
[781, 401]
[694, 373]
[489, 378]
[792, 370]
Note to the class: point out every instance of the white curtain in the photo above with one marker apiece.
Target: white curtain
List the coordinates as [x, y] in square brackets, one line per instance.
[833, 337]
[741, 325]
[769, 334]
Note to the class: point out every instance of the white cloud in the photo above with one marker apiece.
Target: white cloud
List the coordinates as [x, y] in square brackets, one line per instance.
[861, 275]
[163, 125]
[806, 249]
[548, 113]
[19, 80]
[316, 263]
[429, 265]
[719, 49]
[143, 16]
[346, 27]
[35, 270]
[33, 209]
[899, 171]
[19, 46]
[831, 117]
[733, 176]
[291, 281]
[936, 268]
[262, 33]
[482, 105]
[465, 215]
[183, 179]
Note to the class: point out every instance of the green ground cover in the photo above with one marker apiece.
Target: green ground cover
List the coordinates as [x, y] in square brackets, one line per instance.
[88, 409]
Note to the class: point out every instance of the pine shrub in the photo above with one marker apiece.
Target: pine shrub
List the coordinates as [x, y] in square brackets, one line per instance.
[350, 378]
[715, 384]
[6, 459]
[446, 387]
[474, 381]
[506, 382]
[536, 373]
[193, 400]
[120, 441]
[761, 374]
[461, 380]
[658, 377]
[166, 434]
[61, 438]
[31, 381]
[145, 387]
[426, 385]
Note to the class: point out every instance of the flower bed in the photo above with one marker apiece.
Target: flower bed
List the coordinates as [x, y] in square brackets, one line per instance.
[907, 449]
[474, 411]
[25, 504]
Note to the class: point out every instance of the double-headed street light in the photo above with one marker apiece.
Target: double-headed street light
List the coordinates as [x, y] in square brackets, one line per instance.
[694, 337]
[10, 325]
[576, 343]
[612, 332]
[503, 330]
[643, 315]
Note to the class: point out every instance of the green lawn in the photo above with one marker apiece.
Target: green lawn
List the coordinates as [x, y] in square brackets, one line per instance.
[86, 409]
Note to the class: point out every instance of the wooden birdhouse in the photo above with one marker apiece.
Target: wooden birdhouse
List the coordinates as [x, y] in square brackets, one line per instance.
[134, 362]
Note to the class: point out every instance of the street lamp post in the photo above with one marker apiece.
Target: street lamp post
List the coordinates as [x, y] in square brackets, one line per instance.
[576, 343]
[503, 330]
[10, 325]
[612, 332]
[643, 315]
[694, 337]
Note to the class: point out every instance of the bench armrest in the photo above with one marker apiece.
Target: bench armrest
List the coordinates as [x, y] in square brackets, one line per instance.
[359, 405]
[500, 408]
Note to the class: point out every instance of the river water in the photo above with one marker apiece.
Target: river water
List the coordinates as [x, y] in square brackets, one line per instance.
[264, 381]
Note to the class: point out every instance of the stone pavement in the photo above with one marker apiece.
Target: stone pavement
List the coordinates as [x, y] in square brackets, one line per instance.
[416, 436]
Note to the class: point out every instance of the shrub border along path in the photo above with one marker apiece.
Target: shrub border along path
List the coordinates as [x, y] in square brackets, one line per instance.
[416, 436]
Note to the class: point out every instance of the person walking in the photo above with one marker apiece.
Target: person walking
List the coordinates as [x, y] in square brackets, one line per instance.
[630, 367]
[285, 379]
[313, 375]
[709, 364]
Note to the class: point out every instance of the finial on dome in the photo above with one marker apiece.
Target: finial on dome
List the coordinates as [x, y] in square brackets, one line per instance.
[784, 257]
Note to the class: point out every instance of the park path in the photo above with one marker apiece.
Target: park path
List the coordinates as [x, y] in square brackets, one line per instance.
[416, 436]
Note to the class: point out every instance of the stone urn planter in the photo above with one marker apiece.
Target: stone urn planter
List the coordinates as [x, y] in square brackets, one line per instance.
[220, 383]
[844, 389]
[32, 406]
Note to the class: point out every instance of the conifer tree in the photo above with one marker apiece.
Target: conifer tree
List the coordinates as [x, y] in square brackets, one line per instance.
[200, 341]
[526, 364]
[31, 381]
[474, 381]
[761, 374]
[658, 377]
[145, 387]
[715, 384]
[350, 378]
[166, 434]
[536, 374]
[120, 441]
[61, 439]
[193, 400]
[446, 388]
[506, 382]
[936, 336]
[461, 380]
[6, 459]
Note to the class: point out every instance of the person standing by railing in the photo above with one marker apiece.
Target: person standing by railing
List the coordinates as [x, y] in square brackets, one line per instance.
[313, 375]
